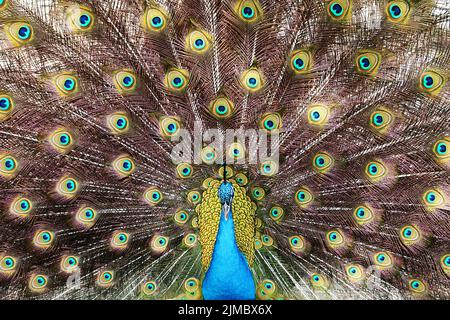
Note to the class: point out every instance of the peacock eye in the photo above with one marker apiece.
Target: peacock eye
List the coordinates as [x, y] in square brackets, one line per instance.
[297, 243]
[105, 278]
[303, 197]
[80, 19]
[236, 151]
[194, 197]
[409, 235]
[431, 82]
[181, 217]
[43, 239]
[155, 19]
[159, 244]
[441, 149]
[319, 281]
[6, 107]
[276, 213]
[184, 170]
[433, 199]
[176, 79]
[339, 10]
[241, 179]
[318, 115]
[363, 215]
[268, 168]
[221, 108]
[37, 282]
[209, 155]
[21, 207]
[169, 126]
[7, 264]
[355, 272]
[251, 80]
[267, 240]
[118, 123]
[417, 286]
[257, 193]
[20, 33]
[123, 165]
[301, 61]
[66, 84]
[270, 122]
[376, 171]
[8, 166]
[67, 187]
[335, 238]
[383, 260]
[69, 264]
[398, 11]
[323, 162]
[120, 240]
[148, 288]
[153, 196]
[61, 140]
[381, 120]
[368, 62]
[249, 11]
[3, 4]
[190, 240]
[198, 41]
[86, 217]
[125, 81]
[445, 263]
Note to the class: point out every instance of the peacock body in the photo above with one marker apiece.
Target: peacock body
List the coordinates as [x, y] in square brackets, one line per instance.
[96, 98]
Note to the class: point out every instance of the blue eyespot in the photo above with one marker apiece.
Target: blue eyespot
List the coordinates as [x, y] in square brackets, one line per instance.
[361, 213]
[172, 127]
[373, 169]
[316, 115]
[199, 44]
[121, 123]
[155, 195]
[85, 20]
[294, 241]
[24, 205]
[71, 261]
[236, 152]
[177, 82]
[378, 119]
[186, 171]
[10, 164]
[252, 82]
[301, 196]
[46, 236]
[441, 148]
[156, 22]
[431, 197]
[127, 81]
[269, 124]
[447, 261]
[381, 258]
[221, 109]
[5, 104]
[40, 280]
[191, 283]
[333, 236]
[267, 168]
[69, 84]
[89, 214]
[320, 161]
[316, 278]
[150, 286]
[24, 32]
[70, 185]
[162, 241]
[415, 284]
[336, 9]
[407, 232]
[64, 139]
[428, 82]
[299, 64]
[107, 276]
[127, 165]
[364, 63]
[395, 11]
[248, 12]
[122, 238]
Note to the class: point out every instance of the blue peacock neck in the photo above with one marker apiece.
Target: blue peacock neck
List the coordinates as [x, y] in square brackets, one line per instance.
[229, 276]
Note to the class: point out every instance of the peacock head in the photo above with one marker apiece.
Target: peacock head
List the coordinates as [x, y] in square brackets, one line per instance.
[226, 193]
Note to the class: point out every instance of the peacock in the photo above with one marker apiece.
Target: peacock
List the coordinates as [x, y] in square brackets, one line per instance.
[119, 179]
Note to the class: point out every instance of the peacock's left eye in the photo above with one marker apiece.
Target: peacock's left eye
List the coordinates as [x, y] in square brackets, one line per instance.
[43, 239]
[417, 286]
[125, 81]
[190, 240]
[431, 82]
[80, 19]
[433, 199]
[184, 170]
[153, 196]
[194, 197]
[397, 11]
[66, 84]
[37, 282]
[120, 240]
[269, 168]
[241, 179]
[376, 171]
[318, 115]
[441, 149]
[363, 215]
[20, 33]
[368, 62]
[148, 288]
[208, 155]
[159, 244]
[155, 19]
[124, 165]
[409, 235]
[319, 281]
[181, 217]
[21, 207]
[176, 79]
[8, 264]
[301, 61]
[198, 41]
[6, 106]
[335, 238]
[297, 243]
[355, 273]
[67, 187]
[257, 193]
[270, 122]
[251, 80]
[383, 260]
[303, 197]
[339, 9]
[61, 140]
[118, 123]
[249, 11]
[69, 264]
[105, 278]
[221, 108]
[276, 213]
[323, 162]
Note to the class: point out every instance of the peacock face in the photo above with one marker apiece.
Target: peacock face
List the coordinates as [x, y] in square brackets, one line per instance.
[226, 193]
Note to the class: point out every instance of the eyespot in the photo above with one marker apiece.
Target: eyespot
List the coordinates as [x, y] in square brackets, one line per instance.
[266, 240]
[221, 108]
[20, 33]
[86, 217]
[241, 179]
[184, 170]
[433, 199]
[148, 288]
[198, 41]
[398, 11]
[445, 263]
[301, 61]
[363, 215]
[37, 283]
[194, 197]
[192, 286]
[297, 243]
[236, 151]
[67, 187]
[276, 213]
[266, 289]
[339, 10]
[368, 63]
[323, 162]
[159, 244]
[257, 193]
[181, 217]
[125, 81]
[9, 166]
[169, 126]
[43, 239]
[270, 122]
[6, 107]
[155, 19]
[228, 170]
[69, 264]
[21, 207]
[4, 4]
[120, 240]
[376, 171]
[335, 238]
[269, 168]
[8, 264]
[383, 260]
[319, 281]
[251, 80]
[355, 273]
[304, 197]
[381, 120]
[124, 165]
[118, 123]
[61, 140]
[176, 79]
[105, 278]
[80, 19]
[153, 196]
[190, 240]
[417, 286]
[410, 235]
[441, 149]
[258, 244]
[66, 84]
[318, 115]
[431, 82]
[249, 11]
[209, 155]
